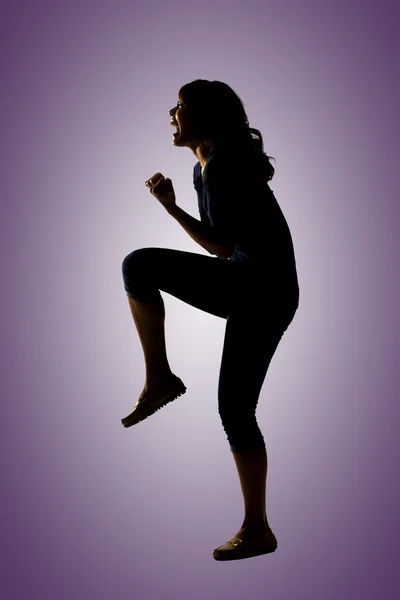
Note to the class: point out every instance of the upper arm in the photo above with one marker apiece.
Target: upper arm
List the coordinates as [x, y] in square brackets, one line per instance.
[222, 201]
[203, 214]
[213, 213]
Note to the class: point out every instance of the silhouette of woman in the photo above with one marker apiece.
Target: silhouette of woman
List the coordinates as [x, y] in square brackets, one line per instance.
[251, 281]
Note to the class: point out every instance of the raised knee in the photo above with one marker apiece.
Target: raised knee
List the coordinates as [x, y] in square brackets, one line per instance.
[137, 275]
[134, 260]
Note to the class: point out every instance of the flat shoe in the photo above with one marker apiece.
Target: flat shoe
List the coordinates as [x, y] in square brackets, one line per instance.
[239, 548]
[145, 407]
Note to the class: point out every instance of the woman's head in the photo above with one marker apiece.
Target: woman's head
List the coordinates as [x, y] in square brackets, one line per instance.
[215, 116]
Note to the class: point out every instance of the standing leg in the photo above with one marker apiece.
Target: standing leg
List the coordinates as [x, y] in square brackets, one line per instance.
[252, 470]
[248, 349]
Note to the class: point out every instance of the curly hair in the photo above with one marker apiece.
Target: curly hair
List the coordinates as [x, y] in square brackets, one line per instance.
[217, 115]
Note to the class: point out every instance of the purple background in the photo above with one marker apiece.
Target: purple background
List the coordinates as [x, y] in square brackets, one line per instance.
[92, 510]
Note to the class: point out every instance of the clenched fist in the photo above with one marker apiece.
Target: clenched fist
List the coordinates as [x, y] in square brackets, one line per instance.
[162, 189]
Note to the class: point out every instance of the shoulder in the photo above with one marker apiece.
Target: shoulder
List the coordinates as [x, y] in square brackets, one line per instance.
[196, 175]
[218, 167]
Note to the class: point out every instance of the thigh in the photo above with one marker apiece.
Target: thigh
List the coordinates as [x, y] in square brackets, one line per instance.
[208, 283]
[252, 335]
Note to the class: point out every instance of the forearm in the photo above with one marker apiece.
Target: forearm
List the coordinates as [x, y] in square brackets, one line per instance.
[200, 233]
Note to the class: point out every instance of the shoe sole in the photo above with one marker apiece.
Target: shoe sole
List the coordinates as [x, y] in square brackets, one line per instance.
[131, 419]
[233, 555]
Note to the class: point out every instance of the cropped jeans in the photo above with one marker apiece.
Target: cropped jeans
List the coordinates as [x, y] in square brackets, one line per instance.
[257, 314]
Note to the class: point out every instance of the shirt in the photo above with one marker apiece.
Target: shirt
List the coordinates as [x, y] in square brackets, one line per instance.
[246, 214]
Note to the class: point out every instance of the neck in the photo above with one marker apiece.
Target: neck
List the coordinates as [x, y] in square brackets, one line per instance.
[201, 152]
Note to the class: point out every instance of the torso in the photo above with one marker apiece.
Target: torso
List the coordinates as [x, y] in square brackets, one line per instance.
[267, 240]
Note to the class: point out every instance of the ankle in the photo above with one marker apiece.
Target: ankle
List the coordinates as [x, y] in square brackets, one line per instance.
[157, 366]
[158, 375]
[255, 524]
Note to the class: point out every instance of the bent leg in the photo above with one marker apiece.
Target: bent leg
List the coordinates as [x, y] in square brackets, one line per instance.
[205, 282]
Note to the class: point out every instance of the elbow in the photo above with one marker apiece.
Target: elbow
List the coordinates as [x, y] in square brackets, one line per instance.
[230, 249]
[224, 253]
[222, 248]
[219, 254]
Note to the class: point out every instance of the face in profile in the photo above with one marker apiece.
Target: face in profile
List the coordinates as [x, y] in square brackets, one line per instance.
[184, 135]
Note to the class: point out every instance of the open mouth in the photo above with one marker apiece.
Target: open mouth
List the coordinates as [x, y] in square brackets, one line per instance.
[175, 124]
[177, 132]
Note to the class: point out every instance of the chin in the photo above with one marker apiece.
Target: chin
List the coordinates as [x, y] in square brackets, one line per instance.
[178, 141]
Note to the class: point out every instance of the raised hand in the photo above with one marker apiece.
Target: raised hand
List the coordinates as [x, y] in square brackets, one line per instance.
[162, 189]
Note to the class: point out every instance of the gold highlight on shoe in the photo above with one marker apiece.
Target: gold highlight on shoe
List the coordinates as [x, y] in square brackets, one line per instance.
[237, 542]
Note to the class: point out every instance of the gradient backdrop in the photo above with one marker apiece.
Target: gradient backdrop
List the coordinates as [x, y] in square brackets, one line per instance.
[92, 510]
